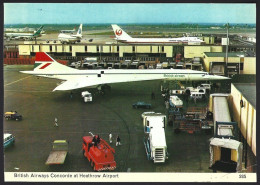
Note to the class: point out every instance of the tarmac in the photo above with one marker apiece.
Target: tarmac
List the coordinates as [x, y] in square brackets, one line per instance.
[33, 98]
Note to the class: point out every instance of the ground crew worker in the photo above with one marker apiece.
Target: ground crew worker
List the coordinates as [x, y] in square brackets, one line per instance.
[153, 96]
[94, 141]
[110, 138]
[56, 122]
[118, 141]
[98, 139]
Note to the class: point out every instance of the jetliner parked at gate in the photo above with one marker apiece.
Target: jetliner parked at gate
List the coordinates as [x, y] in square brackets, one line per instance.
[122, 36]
[27, 36]
[65, 38]
[46, 66]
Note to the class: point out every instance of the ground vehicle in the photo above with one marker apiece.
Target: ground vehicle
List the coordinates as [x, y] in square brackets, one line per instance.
[197, 95]
[207, 87]
[159, 66]
[58, 153]
[87, 96]
[8, 140]
[146, 113]
[141, 104]
[225, 150]
[75, 64]
[165, 65]
[175, 101]
[155, 140]
[101, 156]
[13, 115]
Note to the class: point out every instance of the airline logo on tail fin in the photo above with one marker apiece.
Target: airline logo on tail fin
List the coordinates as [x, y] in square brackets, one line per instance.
[45, 63]
[40, 60]
[119, 33]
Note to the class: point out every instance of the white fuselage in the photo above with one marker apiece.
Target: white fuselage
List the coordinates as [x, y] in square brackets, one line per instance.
[69, 38]
[20, 35]
[125, 75]
[184, 40]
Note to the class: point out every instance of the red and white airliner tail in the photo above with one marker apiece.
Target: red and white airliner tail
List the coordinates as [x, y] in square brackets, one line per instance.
[46, 66]
[120, 34]
[45, 63]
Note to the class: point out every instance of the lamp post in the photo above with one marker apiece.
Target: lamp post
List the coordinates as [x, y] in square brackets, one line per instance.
[227, 25]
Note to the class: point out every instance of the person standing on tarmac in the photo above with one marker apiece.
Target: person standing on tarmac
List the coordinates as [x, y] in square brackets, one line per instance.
[118, 140]
[94, 141]
[98, 139]
[110, 138]
[152, 96]
[56, 122]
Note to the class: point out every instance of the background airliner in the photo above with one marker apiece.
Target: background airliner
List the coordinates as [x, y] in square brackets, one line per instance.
[66, 38]
[27, 36]
[68, 31]
[122, 36]
[46, 66]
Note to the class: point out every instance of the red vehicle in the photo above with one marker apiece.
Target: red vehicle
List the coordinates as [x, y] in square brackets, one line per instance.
[100, 155]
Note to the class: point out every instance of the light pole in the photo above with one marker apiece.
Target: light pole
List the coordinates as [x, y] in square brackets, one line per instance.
[227, 25]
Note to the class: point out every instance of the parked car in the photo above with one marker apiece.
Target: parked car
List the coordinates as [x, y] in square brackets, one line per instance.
[13, 115]
[141, 104]
[8, 140]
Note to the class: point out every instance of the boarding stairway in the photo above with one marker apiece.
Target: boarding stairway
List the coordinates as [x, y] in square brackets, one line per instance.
[159, 157]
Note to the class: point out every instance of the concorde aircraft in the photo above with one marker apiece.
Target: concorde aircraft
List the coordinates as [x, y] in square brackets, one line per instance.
[46, 66]
[122, 36]
[28, 36]
[66, 38]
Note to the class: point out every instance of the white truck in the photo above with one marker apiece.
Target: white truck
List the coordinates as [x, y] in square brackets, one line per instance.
[175, 101]
[165, 65]
[87, 96]
[206, 87]
[159, 66]
[196, 93]
[58, 153]
[155, 140]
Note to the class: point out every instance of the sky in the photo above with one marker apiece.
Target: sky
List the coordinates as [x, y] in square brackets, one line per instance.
[120, 13]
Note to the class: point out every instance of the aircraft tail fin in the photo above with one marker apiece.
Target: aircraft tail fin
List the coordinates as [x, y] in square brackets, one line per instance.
[119, 33]
[79, 32]
[45, 63]
[38, 31]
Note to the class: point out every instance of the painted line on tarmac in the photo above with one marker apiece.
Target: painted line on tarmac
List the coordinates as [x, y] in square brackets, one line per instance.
[17, 80]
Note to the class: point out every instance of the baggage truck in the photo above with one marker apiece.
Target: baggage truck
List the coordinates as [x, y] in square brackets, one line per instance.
[58, 153]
